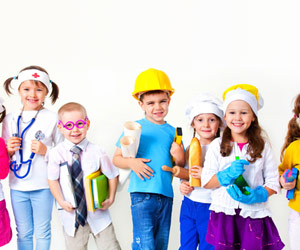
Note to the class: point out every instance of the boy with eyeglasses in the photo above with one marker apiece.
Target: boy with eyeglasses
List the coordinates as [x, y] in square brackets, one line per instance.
[82, 158]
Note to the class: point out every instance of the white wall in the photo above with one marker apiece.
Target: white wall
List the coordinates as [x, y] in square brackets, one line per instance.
[94, 50]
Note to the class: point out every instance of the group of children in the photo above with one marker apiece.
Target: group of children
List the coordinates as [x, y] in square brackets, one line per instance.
[218, 215]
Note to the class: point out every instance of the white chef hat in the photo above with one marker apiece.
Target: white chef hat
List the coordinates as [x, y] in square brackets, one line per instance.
[245, 92]
[203, 103]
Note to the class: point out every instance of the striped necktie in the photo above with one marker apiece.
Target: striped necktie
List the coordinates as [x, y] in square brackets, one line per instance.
[77, 179]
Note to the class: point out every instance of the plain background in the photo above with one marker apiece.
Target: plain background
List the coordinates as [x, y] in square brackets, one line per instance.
[94, 50]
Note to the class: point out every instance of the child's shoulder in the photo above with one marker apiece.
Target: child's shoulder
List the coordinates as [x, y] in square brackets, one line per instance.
[10, 115]
[216, 142]
[295, 145]
[50, 114]
[57, 148]
[95, 148]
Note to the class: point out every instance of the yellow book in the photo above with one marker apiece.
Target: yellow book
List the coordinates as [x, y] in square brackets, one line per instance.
[89, 190]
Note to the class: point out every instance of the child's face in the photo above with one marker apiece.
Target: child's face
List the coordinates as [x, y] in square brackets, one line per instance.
[32, 94]
[155, 107]
[206, 126]
[75, 135]
[239, 117]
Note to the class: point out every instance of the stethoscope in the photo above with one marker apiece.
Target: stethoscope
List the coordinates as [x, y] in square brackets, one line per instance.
[38, 135]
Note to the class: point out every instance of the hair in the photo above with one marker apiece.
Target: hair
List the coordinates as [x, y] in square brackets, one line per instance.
[293, 127]
[218, 134]
[2, 114]
[255, 140]
[152, 92]
[71, 106]
[55, 90]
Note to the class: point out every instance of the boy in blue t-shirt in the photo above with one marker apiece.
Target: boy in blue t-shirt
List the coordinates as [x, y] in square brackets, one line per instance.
[150, 187]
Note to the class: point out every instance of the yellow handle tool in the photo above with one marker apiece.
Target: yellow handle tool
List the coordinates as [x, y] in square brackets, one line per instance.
[177, 139]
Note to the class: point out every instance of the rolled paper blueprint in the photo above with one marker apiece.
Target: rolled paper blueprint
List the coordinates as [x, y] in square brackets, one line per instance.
[133, 129]
[128, 146]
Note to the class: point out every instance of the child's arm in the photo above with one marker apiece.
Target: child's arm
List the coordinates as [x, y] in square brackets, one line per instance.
[270, 191]
[213, 183]
[288, 162]
[177, 152]
[4, 160]
[137, 165]
[57, 194]
[112, 187]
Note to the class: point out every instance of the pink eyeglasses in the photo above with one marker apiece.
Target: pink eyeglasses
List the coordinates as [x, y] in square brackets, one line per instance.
[70, 125]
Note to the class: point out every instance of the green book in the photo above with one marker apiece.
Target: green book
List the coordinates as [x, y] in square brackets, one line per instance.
[99, 190]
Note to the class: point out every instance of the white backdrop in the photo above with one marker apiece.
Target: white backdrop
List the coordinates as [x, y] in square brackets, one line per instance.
[94, 50]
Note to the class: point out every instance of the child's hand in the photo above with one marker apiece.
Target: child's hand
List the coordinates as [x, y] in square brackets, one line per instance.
[38, 147]
[177, 152]
[106, 204]
[13, 145]
[138, 166]
[228, 175]
[66, 206]
[196, 171]
[287, 185]
[185, 188]
[175, 149]
[257, 195]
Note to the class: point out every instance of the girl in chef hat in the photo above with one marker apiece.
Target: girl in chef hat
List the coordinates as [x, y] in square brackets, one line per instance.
[242, 171]
[204, 114]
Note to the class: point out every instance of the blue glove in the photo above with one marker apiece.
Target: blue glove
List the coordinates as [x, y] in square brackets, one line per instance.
[228, 175]
[257, 195]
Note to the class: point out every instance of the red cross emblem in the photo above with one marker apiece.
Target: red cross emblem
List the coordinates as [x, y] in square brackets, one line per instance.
[35, 75]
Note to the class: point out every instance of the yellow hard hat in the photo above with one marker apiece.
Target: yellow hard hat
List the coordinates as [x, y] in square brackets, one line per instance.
[152, 79]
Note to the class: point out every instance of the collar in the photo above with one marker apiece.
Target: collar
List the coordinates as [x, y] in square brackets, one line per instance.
[83, 144]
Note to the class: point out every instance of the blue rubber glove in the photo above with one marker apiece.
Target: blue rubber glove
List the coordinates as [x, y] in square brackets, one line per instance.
[257, 195]
[228, 175]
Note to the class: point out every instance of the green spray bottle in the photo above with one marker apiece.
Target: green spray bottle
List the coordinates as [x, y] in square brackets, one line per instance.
[240, 182]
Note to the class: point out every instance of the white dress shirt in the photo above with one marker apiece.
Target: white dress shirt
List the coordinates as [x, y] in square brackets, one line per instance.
[92, 158]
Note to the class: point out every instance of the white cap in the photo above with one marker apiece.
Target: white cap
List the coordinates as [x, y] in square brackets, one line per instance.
[244, 92]
[203, 103]
[33, 74]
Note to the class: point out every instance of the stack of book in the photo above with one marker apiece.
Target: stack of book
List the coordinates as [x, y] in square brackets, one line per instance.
[96, 190]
